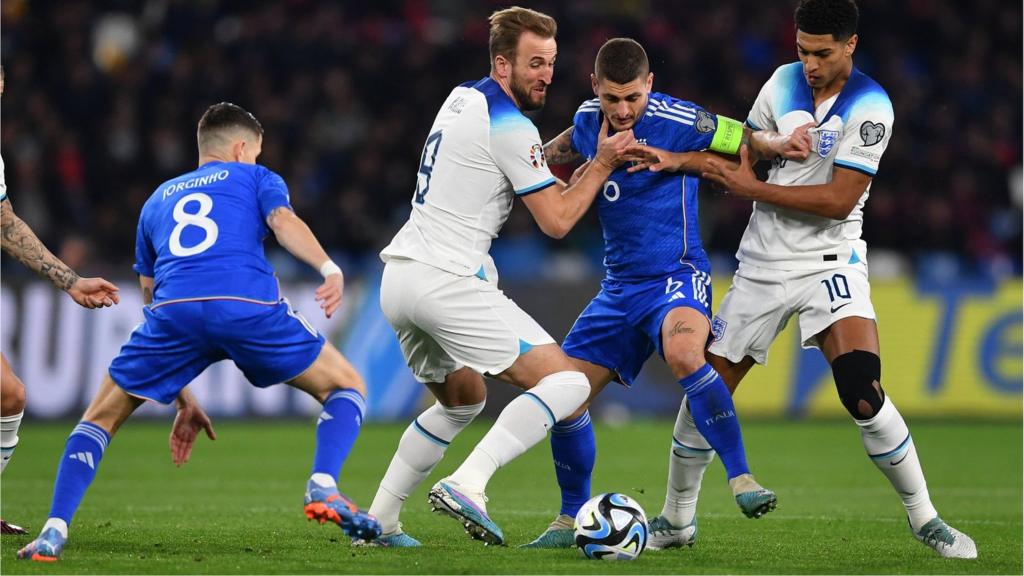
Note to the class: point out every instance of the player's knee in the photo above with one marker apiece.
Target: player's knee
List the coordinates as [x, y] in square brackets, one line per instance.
[858, 377]
[684, 361]
[579, 411]
[12, 399]
[461, 416]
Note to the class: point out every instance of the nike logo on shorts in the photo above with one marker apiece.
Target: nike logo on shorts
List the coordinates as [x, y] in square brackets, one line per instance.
[836, 308]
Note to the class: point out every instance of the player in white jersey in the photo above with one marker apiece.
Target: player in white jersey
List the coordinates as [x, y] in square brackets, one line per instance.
[439, 290]
[802, 253]
[24, 246]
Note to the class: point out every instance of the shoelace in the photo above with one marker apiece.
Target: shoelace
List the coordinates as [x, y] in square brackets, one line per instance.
[940, 534]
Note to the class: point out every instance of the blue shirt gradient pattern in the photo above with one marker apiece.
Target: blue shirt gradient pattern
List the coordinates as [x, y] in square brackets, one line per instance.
[649, 219]
[200, 235]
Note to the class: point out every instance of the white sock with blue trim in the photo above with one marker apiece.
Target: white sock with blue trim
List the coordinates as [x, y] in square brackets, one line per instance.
[688, 458]
[422, 446]
[9, 437]
[523, 423]
[889, 445]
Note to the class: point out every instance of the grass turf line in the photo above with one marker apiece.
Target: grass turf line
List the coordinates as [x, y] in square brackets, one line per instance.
[237, 506]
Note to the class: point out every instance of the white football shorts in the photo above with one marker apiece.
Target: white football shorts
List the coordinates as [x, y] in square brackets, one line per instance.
[760, 301]
[445, 321]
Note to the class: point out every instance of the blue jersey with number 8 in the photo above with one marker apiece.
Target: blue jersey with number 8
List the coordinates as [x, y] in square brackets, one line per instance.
[200, 235]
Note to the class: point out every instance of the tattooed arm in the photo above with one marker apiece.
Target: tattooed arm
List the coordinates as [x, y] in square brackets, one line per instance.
[146, 283]
[22, 244]
[559, 150]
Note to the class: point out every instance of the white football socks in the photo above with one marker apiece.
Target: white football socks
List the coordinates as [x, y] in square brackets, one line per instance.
[887, 441]
[422, 446]
[9, 436]
[689, 457]
[523, 423]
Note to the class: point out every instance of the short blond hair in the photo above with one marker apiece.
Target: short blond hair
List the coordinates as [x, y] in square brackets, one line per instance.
[509, 24]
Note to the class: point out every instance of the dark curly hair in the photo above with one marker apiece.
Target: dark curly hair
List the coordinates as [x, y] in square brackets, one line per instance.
[835, 17]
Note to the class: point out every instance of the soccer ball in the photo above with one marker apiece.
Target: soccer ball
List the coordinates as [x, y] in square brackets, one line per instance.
[611, 527]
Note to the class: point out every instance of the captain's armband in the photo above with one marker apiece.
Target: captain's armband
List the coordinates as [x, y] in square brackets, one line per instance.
[728, 136]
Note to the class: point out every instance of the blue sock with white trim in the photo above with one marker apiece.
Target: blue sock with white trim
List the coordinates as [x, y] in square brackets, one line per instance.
[574, 452]
[715, 416]
[337, 429]
[78, 465]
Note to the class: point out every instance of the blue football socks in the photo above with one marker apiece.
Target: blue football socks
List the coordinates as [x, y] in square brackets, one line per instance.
[574, 452]
[715, 416]
[337, 429]
[82, 454]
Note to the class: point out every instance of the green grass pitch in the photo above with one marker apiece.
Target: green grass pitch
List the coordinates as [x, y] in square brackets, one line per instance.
[237, 507]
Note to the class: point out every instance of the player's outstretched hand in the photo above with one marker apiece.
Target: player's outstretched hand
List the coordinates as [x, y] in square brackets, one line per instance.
[797, 146]
[330, 292]
[739, 180]
[94, 293]
[646, 157]
[187, 424]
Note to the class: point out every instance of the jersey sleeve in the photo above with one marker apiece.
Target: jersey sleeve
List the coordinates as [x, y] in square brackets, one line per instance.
[585, 126]
[518, 153]
[3, 181]
[271, 192]
[691, 127]
[145, 255]
[762, 116]
[866, 134]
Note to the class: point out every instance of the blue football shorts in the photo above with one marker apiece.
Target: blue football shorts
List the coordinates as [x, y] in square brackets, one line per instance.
[621, 327]
[269, 343]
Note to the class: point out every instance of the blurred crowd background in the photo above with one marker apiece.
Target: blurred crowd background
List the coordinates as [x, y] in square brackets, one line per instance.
[102, 100]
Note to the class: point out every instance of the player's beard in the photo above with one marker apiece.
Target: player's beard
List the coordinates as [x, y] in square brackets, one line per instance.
[524, 95]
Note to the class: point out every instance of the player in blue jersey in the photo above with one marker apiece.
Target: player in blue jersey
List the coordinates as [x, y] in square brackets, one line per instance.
[802, 253]
[656, 295]
[211, 295]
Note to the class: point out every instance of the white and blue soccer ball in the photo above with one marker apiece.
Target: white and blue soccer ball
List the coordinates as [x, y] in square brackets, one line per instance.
[611, 527]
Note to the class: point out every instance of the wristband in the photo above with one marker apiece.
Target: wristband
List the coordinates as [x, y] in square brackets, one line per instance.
[328, 268]
[728, 136]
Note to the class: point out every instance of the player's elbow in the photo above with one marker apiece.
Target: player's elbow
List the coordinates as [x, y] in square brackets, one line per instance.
[841, 211]
[555, 228]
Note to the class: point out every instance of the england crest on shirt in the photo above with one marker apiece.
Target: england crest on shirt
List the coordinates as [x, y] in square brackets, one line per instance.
[826, 140]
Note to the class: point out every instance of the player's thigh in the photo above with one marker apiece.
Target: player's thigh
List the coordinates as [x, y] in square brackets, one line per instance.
[604, 342]
[330, 372]
[164, 353]
[835, 309]
[752, 314]
[675, 314]
[684, 334]
[479, 327]
[12, 390]
[273, 343]
[404, 285]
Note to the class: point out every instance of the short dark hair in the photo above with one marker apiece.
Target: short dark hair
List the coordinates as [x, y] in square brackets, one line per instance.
[835, 17]
[222, 117]
[621, 60]
[509, 24]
